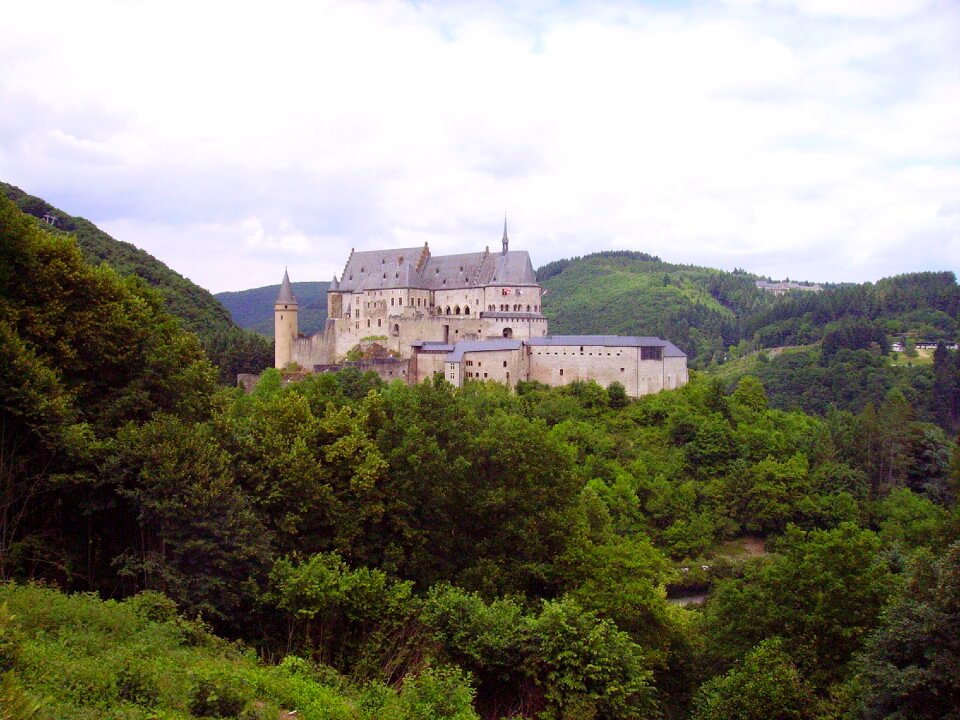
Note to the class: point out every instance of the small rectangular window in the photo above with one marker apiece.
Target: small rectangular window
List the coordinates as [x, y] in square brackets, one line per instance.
[561, 372]
[504, 363]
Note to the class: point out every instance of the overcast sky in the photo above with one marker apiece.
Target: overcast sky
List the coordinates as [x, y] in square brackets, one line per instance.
[810, 139]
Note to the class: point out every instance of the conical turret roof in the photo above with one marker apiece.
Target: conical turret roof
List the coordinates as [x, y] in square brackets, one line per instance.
[286, 295]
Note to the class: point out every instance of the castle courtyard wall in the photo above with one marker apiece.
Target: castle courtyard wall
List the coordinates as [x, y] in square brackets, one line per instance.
[504, 366]
[562, 364]
[675, 372]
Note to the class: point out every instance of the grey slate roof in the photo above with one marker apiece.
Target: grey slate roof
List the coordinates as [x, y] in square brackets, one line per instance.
[416, 268]
[286, 296]
[513, 268]
[365, 270]
[669, 349]
[481, 346]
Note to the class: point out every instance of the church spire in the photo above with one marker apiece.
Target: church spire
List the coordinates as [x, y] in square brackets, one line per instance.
[506, 240]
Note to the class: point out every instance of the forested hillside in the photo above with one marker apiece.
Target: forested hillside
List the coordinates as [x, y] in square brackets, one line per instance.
[630, 293]
[705, 311]
[253, 309]
[429, 552]
[230, 348]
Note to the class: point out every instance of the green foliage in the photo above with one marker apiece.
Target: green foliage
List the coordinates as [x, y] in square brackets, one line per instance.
[587, 667]
[767, 686]
[582, 665]
[200, 539]
[437, 693]
[233, 350]
[617, 395]
[822, 595]
[412, 543]
[198, 308]
[910, 667]
[336, 608]
[84, 658]
[911, 520]
[637, 294]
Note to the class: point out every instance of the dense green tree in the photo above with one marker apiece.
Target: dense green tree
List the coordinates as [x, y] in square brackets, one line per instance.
[199, 539]
[910, 519]
[766, 686]
[821, 595]
[910, 667]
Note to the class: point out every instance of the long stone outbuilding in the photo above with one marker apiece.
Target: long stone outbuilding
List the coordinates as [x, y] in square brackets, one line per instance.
[470, 317]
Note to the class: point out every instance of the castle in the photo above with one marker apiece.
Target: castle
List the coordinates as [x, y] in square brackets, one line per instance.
[472, 316]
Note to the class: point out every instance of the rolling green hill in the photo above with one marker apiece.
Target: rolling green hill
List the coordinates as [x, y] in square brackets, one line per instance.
[229, 347]
[253, 309]
[706, 311]
[633, 293]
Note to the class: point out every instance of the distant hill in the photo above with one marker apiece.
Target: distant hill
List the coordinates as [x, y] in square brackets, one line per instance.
[229, 347]
[253, 309]
[632, 293]
[706, 311]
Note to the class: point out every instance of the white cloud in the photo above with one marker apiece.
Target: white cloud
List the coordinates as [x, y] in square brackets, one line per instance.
[805, 138]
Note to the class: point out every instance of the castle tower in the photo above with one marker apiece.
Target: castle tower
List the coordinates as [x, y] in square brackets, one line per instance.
[334, 299]
[284, 324]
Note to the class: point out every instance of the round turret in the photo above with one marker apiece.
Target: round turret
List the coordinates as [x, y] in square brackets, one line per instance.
[284, 324]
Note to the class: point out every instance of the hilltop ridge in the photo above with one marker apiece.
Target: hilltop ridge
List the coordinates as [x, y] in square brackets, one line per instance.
[231, 348]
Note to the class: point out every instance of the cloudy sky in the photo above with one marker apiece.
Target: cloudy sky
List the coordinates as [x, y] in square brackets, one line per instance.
[810, 139]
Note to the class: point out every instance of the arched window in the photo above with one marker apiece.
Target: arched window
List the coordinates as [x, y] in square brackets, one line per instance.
[508, 332]
[396, 329]
[466, 310]
[456, 310]
[528, 308]
[448, 309]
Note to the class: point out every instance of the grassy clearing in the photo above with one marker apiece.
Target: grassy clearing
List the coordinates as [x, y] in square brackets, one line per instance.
[924, 358]
[76, 657]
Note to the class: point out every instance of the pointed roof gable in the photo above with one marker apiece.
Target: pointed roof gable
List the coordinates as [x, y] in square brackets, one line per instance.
[286, 296]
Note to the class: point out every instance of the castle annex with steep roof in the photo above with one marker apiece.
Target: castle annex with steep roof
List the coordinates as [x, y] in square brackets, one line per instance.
[453, 314]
